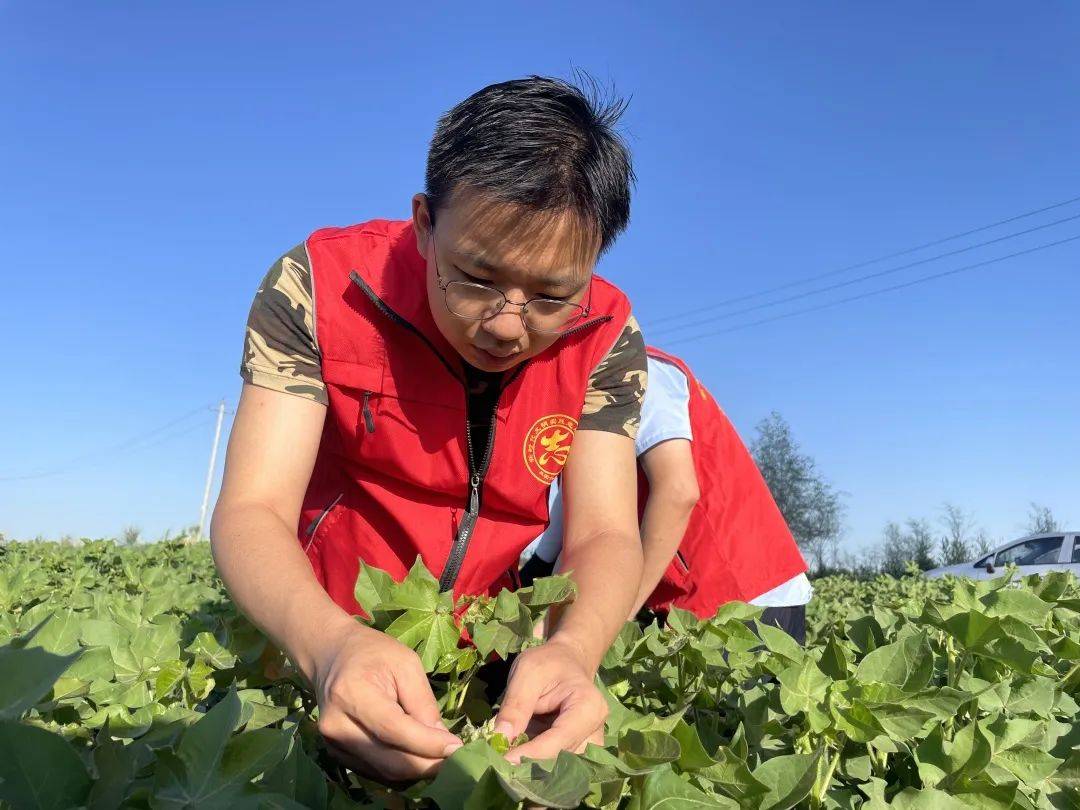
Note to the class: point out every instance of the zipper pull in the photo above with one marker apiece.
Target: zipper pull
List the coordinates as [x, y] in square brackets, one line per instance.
[369, 420]
[474, 493]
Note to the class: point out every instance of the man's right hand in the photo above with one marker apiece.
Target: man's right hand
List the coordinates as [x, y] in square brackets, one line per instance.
[376, 708]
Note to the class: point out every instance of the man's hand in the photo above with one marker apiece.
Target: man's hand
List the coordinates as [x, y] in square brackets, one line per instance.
[376, 708]
[551, 694]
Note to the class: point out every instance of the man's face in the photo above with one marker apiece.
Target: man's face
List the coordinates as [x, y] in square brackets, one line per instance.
[522, 254]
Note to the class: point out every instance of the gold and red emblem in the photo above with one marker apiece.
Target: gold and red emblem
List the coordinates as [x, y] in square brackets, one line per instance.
[547, 446]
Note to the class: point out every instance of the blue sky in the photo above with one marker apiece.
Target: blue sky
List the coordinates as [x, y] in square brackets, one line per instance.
[156, 158]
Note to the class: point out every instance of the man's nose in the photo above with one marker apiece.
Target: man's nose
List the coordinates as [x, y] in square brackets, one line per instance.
[507, 326]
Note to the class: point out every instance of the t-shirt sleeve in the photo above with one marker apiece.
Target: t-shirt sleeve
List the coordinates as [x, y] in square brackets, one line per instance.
[665, 413]
[280, 349]
[617, 386]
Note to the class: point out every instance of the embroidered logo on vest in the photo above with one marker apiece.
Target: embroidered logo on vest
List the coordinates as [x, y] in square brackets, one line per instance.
[547, 446]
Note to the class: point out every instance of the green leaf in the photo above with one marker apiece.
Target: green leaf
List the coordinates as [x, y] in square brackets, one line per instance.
[732, 776]
[973, 629]
[257, 710]
[692, 753]
[565, 785]
[299, 778]
[460, 774]
[432, 635]
[209, 648]
[546, 591]
[373, 588]
[927, 799]
[1018, 603]
[100, 633]
[1032, 696]
[168, 677]
[249, 754]
[203, 745]
[789, 779]
[212, 768]
[865, 633]
[39, 770]
[28, 676]
[908, 664]
[803, 687]
[780, 643]
[114, 767]
[1030, 765]
[608, 766]
[59, 634]
[664, 790]
[648, 749]
[418, 591]
[834, 660]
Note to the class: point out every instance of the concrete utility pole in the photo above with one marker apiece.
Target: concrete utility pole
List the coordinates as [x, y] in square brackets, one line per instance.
[210, 472]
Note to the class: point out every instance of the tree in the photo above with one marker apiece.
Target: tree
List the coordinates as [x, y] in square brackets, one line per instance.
[1041, 519]
[809, 504]
[894, 551]
[920, 543]
[956, 545]
[982, 543]
[899, 548]
[129, 536]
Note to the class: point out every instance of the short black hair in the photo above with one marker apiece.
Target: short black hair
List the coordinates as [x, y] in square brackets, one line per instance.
[538, 142]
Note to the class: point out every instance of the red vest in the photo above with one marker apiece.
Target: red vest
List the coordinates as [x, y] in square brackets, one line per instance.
[393, 478]
[737, 545]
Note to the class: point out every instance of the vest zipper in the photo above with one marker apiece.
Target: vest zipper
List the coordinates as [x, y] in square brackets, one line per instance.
[477, 474]
[369, 420]
[314, 525]
[679, 556]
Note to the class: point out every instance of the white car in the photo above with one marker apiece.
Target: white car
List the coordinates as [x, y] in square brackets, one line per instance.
[1034, 554]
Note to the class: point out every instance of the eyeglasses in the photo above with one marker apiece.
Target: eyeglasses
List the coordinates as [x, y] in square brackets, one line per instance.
[478, 302]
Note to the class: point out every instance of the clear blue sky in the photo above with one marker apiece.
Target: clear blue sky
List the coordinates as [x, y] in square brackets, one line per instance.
[156, 158]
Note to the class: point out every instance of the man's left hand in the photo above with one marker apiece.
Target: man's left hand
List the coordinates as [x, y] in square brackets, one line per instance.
[551, 694]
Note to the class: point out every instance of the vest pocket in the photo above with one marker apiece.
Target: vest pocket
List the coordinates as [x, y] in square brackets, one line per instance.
[313, 527]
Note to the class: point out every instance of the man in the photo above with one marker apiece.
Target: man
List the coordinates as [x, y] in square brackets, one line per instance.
[411, 389]
[710, 529]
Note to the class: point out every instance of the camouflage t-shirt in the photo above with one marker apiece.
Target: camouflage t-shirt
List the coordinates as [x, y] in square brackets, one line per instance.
[281, 353]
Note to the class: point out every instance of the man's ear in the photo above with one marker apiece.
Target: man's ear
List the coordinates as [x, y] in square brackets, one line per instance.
[421, 216]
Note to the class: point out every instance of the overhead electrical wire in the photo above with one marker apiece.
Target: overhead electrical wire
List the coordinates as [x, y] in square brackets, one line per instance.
[137, 442]
[871, 293]
[828, 274]
[858, 280]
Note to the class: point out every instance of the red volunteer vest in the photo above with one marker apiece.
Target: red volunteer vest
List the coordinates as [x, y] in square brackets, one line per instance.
[737, 545]
[393, 479]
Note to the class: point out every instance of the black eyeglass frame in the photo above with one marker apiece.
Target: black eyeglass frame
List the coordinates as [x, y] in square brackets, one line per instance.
[444, 283]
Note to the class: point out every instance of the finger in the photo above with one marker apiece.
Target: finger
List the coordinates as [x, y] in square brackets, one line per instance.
[416, 698]
[575, 725]
[367, 754]
[391, 725]
[519, 701]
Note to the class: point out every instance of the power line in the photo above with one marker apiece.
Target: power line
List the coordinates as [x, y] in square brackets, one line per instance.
[871, 293]
[133, 443]
[860, 265]
[862, 278]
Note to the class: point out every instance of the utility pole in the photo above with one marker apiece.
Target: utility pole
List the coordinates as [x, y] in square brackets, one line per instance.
[210, 471]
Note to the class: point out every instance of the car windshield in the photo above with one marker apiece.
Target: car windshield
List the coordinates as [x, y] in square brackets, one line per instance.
[1036, 551]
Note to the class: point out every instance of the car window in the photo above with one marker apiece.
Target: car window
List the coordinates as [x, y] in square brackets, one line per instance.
[983, 562]
[1076, 549]
[1037, 551]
